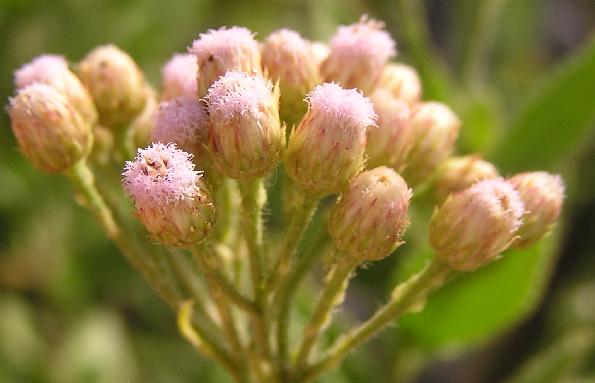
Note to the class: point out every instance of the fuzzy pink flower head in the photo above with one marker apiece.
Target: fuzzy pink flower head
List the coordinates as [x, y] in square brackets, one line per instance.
[50, 132]
[179, 77]
[184, 122]
[245, 137]
[391, 142]
[543, 195]
[171, 200]
[371, 216]
[358, 54]
[327, 149]
[475, 225]
[53, 70]
[222, 50]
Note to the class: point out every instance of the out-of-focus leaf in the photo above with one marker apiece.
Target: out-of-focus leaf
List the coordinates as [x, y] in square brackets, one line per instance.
[481, 304]
[555, 120]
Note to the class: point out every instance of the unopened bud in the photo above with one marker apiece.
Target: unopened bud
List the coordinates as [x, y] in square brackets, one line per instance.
[246, 139]
[171, 200]
[435, 129]
[222, 50]
[543, 195]
[402, 81]
[50, 132]
[178, 77]
[358, 54]
[116, 84]
[370, 217]
[53, 70]
[327, 149]
[458, 173]
[184, 122]
[391, 142]
[475, 225]
[288, 58]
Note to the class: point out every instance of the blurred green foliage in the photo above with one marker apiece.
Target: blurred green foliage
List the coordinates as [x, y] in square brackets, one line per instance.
[521, 74]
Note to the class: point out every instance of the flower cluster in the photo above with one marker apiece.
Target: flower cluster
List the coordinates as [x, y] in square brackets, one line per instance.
[233, 115]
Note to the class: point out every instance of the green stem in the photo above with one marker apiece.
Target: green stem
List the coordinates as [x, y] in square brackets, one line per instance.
[302, 211]
[208, 264]
[283, 300]
[332, 294]
[84, 182]
[253, 198]
[405, 297]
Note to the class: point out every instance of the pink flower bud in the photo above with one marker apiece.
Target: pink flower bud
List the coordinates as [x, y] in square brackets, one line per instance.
[458, 173]
[435, 129]
[320, 51]
[245, 138]
[327, 149]
[371, 216]
[184, 122]
[358, 54]
[53, 70]
[178, 77]
[402, 81]
[171, 201]
[543, 195]
[288, 58]
[51, 133]
[391, 142]
[116, 84]
[222, 50]
[475, 225]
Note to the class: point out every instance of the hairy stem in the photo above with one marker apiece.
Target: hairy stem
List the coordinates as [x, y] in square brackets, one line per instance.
[405, 297]
[331, 295]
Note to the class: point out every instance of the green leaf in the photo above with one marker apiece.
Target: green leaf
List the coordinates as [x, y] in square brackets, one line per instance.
[478, 305]
[555, 121]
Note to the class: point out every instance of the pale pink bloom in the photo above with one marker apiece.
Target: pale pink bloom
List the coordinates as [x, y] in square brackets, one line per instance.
[402, 81]
[327, 149]
[53, 70]
[358, 53]
[475, 225]
[178, 77]
[458, 173]
[222, 50]
[245, 137]
[184, 122]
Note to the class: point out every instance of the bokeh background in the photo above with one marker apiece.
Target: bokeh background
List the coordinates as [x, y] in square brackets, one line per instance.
[520, 73]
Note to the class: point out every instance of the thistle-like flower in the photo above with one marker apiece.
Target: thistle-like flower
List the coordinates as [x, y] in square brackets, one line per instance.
[543, 195]
[50, 132]
[171, 200]
[178, 77]
[116, 84]
[327, 149]
[475, 225]
[222, 50]
[370, 217]
[287, 57]
[458, 173]
[53, 70]
[402, 81]
[391, 142]
[357, 56]
[246, 138]
[435, 128]
[184, 122]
